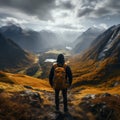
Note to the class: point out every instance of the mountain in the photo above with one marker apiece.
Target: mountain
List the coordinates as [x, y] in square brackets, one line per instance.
[31, 40]
[106, 45]
[12, 57]
[86, 38]
[101, 62]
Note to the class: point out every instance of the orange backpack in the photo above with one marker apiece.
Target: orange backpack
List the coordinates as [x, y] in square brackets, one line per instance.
[60, 79]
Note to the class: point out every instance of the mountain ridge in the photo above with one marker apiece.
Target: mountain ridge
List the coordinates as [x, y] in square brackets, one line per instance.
[86, 38]
[90, 69]
[105, 44]
[12, 56]
[31, 40]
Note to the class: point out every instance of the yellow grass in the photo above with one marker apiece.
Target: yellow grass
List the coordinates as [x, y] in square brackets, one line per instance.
[20, 80]
[93, 90]
[92, 70]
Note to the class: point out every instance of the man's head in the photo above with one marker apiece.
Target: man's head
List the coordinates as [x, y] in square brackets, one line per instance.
[60, 59]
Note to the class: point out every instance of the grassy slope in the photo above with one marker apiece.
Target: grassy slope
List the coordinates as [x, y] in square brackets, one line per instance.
[8, 80]
[15, 83]
[91, 72]
[91, 77]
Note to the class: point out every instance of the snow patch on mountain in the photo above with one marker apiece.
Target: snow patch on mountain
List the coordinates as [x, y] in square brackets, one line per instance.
[111, 41]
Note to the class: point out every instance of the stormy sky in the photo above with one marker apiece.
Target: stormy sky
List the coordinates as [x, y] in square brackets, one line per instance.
[64, 15]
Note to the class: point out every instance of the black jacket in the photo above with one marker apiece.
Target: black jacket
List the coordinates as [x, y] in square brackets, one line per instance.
[68, 73]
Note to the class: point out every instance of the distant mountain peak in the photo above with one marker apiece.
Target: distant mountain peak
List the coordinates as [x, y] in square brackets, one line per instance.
[95, 29]
[11, 27]
[86, 38]
[32, 40]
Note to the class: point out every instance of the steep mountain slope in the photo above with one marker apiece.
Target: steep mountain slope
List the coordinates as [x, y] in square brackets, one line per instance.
[86, 38]
[22, 81]
[12, 57]
[106, 45]
[31, 40]
[101, 62]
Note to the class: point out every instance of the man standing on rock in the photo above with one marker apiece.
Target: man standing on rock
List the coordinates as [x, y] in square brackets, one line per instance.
[60, 78]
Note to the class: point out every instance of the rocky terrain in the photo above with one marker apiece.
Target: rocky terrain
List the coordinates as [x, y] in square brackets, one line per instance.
[27, 98]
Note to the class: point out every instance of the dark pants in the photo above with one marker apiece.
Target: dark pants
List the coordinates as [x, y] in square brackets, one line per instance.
[64, 93]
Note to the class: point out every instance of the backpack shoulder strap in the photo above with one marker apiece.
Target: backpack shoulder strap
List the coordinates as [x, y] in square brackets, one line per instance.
[65, 65]
[55, 65]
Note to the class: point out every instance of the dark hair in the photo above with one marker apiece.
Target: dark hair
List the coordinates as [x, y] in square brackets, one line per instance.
[60, 59]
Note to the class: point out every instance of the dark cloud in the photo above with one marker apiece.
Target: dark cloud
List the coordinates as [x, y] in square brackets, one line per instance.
[66, 5]
[113, 4]
[101, 12]
[40, 8]
[60, 11]
[90, 3]
[84, 12]
[98, 8]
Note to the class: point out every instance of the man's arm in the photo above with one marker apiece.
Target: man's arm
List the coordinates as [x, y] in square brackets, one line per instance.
[51, 75]
[69, 74]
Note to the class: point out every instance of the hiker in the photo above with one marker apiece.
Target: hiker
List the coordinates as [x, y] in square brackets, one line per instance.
[60, 78]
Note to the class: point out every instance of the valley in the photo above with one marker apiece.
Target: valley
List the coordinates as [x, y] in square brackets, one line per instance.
[95, 91]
